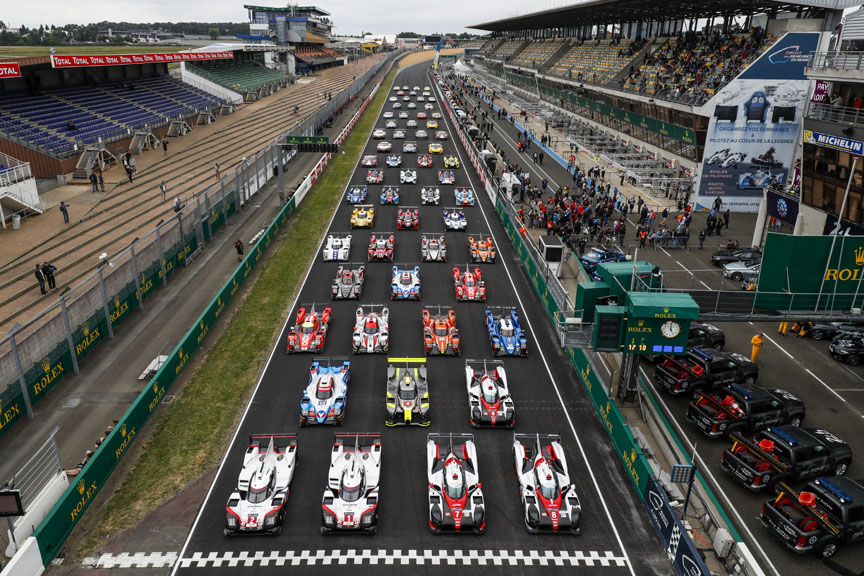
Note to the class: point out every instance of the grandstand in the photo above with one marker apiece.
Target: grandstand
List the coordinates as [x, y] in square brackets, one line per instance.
[596, 62]
[242, 77]
[538, 52]
[507, 49]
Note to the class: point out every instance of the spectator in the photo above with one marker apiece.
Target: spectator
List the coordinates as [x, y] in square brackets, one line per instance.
[101, 181]
[239, 247]
[48, 270]
[163, 188]
[64, 208]
[177, 205]
[165, 146]
[40, 277]
[94, 181]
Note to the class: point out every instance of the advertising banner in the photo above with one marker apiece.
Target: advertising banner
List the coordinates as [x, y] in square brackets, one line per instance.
[71, 61]
[679, 548]
[834, 142]
[9, 70]
[753, 131]
[820, 92]
[782, 208]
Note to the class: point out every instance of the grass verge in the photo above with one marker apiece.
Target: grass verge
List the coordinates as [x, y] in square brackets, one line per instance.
[190, 437]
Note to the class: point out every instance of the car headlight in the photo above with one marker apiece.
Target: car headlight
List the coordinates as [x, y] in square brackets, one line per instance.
[533, 516]
[367, 519]
[329, 519]
[270, 520]
[231, 521]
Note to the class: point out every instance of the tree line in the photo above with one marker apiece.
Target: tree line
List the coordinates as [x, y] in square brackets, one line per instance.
[50, 35]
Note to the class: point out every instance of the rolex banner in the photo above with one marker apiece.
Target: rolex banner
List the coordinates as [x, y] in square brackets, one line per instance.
[755, 121]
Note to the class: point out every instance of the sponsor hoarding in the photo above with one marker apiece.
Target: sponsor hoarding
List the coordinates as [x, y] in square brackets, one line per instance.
[835, 142]
[73, 61]
[782, 208]
[10, 70]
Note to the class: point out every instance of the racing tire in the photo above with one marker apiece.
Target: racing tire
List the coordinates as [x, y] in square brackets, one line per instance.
[841, 468]
[827, 547]
[325, 531]
[796, 421]
[303, 422]
[817, 334]
[737, 276]
[277, 530]
[371, 531]
[854, 360]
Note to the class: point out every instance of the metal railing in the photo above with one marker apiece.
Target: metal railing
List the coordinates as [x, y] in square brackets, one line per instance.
[841, 60]
[840, 114]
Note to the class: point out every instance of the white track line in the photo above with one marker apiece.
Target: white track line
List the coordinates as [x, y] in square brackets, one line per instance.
[270, 359]
[825, 385]
[446, 118]
[706, 470]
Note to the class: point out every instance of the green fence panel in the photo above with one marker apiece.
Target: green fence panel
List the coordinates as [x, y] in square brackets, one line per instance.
[12, 406]
[43, 376]
[90, 333]
[150, 279]
[122, 303]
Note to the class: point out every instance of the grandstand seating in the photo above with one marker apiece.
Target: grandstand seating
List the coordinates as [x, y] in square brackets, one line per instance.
[315, 53]
[490, 46]
[507, 49]
[595, 62]
[240, 76]
[538, 52]
[58, 119]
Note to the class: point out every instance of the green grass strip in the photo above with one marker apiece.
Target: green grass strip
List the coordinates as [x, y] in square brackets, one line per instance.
[190, 437]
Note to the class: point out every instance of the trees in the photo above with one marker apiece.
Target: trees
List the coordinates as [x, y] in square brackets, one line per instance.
[214, 33]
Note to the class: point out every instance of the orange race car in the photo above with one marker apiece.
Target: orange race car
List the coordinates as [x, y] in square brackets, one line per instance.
[440, 335]
[482, 249]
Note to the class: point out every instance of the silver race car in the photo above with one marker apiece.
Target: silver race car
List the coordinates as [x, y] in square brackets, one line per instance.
[408, 177]
[257, 504]
[549, 500]
[348, 284]
[394, 161]
[407, 396]
[371, 330]
[337, 247]
[350, 501]
[455, 497]
[433, 249]
[430, 196]
[489, 401]
[381, 247]
[326, 394]
[454, 219]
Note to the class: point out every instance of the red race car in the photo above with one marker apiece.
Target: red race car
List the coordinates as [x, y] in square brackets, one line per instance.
[381, 247]
[408, 218]
[309, 332]
[424, 161]
[440, 335]
[469, 285]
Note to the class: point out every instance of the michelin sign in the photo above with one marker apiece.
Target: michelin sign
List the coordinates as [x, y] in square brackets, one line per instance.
[836, 142]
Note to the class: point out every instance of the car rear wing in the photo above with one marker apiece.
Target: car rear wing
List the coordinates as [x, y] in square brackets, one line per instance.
[281, 442]
[382, 234]
[352, 265]
[502, 310]
[330, 361]
[357, 441]
[536, 438]
[389, 187]
[816, 513]
[450, 441]
[739, 440]
[483, 365]
[452, 208]
[404, 207]
[363, 207]
[340, 234]
[482, 236]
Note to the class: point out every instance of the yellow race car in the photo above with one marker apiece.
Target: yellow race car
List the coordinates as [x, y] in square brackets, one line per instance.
[363, 216]
[431, 124]
[436, 148]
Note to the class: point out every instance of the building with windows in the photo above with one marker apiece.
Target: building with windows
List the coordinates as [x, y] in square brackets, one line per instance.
[290, 24]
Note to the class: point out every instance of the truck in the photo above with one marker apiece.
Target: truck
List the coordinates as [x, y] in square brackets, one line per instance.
[704, 369]
[784, 454]
[829, 512]
[741, 409]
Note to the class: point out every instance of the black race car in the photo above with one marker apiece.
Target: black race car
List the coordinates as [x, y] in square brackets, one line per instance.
[722, 257]
[847, 349]
[825, 330]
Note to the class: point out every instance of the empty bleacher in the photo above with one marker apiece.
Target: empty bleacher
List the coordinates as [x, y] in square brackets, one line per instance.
[505, 50]
[240, 76]
[490, 46]
[56, 120]
[593, 61]
[538, 52]
[316, 53]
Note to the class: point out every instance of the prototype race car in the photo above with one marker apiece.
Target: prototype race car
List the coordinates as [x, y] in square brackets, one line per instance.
[441, 135]
[424, 161]
[455, 494]
[348, 283]
[337, 247]
[469, 285]
[399, 134]
[397, 106]
[379, 134]
[430, 196]
[356, 195]
[489, 401]
[549, 500]
[371, 330]
[370, 161]
[408, 218]
[363, 216]
[412, 105]
[447, 177]
[310, 330]
[436, 115]
[454, 219]
[394, 161]
[326, 394]
[440, 335]
[384, 146]
[433, 249]
[431, 124]
[407, 396]
[389, 195]
[374, 176]
[505, 335]
[405, 283]
[409, 147]
[257, 504]
[436, 148]
[482, 249]
[464, 197]
[350, 501]
[381, 247]
[408, 177]
[451, 162]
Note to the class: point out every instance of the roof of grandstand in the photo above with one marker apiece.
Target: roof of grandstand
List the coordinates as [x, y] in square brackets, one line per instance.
[610, 11]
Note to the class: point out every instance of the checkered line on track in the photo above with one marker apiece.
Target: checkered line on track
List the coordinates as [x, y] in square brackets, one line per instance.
[564, 558]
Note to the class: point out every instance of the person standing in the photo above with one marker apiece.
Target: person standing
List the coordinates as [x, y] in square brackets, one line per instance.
[784, 326]
[40, 277]
[239, 247]
[702, 235]
[726, 217]
[216, 167]
[177, 205]
[165, 146]
[94, 181]
[757, 342]
[64, 208]
[101, 181]
[48, 271]
[163, 188]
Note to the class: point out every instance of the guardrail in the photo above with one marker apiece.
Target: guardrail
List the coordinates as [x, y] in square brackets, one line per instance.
[64, 516]
[841, 60]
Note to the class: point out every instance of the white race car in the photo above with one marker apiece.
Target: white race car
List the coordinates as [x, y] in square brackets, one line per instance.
[455, 497]
[446, 177]
[405, 283]
[454, 219]
[433, 249]
[408, 177]
[371, 330]
[549, 500]
[394, 161]
[350, 501]
[379, 134]
[326, 395]
[489, 401]
[430, 196]
[337, 247]
[257, 504]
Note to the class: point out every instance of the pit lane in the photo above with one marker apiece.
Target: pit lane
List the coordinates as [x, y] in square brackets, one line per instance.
[617, 537]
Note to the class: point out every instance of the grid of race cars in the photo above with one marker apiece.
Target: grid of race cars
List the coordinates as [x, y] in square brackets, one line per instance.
[456, 502]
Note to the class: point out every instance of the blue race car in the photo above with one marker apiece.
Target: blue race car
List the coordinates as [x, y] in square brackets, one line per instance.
[356, 195]
[464, 196]
[390, 195]
[405, 284]
[325, 397]
[505, 335]
[596, 256]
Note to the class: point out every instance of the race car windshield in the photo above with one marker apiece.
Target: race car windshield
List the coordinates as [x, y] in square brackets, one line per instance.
[371, 328]
[324, 393]
[507, 331]
[348, 279]
[455, 491]
[350, 493]
[440, 331]
[549, 490]
[257, 495]
[469, 281]
[405, 280]
[490, 395]
[407, 394]
[307, 328]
